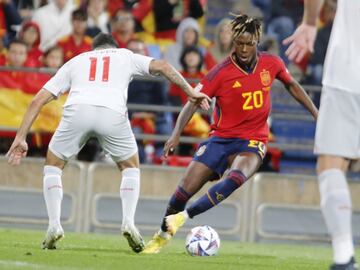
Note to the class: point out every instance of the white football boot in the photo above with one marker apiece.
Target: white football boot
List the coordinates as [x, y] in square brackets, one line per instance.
[132, 235]
[53, 235]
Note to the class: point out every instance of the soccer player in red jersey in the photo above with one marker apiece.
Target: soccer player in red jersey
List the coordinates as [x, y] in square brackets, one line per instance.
[241, 85]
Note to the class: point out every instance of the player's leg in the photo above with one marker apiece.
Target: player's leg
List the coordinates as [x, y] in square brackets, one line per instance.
[117, 139]
[53, 194]
[129, 188]
[196, 175]
[68, 139]
[337, 140]
[242, 168]
[209, 163]
[336, 205]
[129, 194]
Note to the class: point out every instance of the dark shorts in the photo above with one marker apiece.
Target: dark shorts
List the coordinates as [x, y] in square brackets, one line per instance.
[215, 151]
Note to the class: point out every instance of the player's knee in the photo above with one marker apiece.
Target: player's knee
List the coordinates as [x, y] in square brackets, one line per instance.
[327, 162]
[237, 176]
[132, 162]
[332, 181]
[131, 173]
[52, 170]
[54, 160]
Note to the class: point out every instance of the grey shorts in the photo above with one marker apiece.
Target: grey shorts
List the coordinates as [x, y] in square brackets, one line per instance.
[80, 122]
[338, 125]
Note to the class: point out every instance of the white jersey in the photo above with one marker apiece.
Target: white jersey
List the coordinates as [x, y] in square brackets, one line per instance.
[342, 63]
[99, 77]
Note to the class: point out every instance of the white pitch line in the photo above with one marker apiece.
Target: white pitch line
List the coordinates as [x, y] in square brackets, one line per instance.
[21, 264]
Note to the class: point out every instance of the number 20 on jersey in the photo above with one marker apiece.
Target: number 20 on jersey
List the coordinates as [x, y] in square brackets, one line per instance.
[253, 100]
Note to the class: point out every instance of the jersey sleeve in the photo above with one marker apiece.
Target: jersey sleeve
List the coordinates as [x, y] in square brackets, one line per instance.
[210, 83]
[60, 82]
[141, 64]
[283, 73]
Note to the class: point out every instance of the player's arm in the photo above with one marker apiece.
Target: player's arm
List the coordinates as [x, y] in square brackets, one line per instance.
[169, 72]
[311, 11]
[298, 92]
[185, 115]
[19, 146]
[303, 39]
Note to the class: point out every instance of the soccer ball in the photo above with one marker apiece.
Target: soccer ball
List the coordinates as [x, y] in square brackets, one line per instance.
[202, 241]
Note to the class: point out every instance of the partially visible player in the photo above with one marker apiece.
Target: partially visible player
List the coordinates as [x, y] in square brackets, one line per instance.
[241, 85]
[337, 139]
[98, 84]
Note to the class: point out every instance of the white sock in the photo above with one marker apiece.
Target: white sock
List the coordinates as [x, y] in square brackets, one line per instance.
[337, 212]
[164, 235]
[53, 193]
[129, 194]
[185, 214]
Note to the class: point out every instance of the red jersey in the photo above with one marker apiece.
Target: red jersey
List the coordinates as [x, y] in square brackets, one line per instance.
[33, 58]
[71, 49]
[243, 99]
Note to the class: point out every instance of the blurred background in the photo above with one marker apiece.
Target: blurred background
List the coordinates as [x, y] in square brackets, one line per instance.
[281, 203]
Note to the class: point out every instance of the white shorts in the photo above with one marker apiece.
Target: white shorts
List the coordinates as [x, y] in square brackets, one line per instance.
[338, 124]
[80, 122]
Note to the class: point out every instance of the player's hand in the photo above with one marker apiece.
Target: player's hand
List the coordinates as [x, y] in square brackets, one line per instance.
[201, 99]
[170, 145]
[17, 151]
[301, 42]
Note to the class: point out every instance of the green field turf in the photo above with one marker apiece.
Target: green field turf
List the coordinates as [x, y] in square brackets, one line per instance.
[20, 249]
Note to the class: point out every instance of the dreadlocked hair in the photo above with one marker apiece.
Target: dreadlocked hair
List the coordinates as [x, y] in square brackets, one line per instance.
[243, 23]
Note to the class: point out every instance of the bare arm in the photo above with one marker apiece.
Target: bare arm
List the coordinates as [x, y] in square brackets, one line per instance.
[19, 147]
[298, 92]
[185, 115]
[312, 11]
[164, 68]
[303, 39]
[168, 71]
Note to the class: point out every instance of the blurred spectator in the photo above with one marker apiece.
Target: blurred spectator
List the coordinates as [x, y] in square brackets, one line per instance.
[191, 61]
[138, 8]
[315, 67]
[26, 8]
[30, 34]
[77, 42]
[285, 15]
[52, 58]
[16, 57]
[123, 27]
[17, 54]
[222, 40]
[54, 20]
[187, 34]
[10, 20]
[98, 18]
[153, 93]
[169, 13]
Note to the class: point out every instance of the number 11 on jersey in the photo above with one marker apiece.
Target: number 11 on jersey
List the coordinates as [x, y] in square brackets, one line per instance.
[105, 72]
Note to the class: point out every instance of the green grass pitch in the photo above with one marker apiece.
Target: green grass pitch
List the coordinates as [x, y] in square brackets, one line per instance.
[20, 249]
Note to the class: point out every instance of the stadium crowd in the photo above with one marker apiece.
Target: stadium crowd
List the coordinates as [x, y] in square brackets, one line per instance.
[42, 35]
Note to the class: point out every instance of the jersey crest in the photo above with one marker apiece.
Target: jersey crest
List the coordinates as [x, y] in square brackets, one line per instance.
[265, 77]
